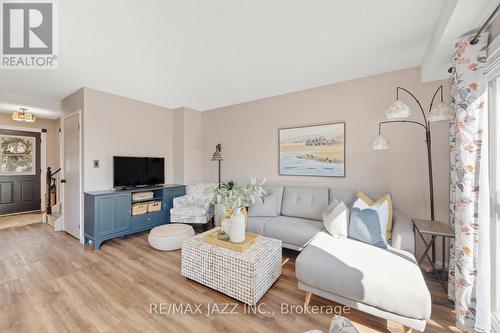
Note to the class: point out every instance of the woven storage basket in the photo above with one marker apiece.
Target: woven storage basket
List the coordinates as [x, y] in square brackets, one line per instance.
[139, 208]
[154, 206]
[142, 195]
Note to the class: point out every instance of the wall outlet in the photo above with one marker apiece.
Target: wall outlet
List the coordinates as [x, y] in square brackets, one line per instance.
[96, 163]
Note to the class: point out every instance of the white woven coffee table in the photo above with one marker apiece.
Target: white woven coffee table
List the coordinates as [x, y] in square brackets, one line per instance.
[245, 276]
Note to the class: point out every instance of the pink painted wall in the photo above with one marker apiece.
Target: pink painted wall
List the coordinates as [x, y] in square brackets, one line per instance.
[187, 132]
[116, 125]
[119, 126]
[249, 135]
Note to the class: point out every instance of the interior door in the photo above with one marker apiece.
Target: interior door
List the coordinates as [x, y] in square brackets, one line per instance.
[19, 171]
[71, 173]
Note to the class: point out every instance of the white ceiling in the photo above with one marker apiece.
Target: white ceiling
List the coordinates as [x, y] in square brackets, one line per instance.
[456, 19]
[208, 54]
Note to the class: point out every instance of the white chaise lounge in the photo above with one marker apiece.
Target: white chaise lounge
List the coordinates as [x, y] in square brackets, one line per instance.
[385, 283]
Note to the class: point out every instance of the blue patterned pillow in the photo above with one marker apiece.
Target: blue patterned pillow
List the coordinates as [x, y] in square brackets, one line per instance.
[365, 226]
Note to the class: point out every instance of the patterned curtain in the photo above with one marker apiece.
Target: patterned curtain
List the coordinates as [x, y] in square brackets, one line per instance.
[468, 284]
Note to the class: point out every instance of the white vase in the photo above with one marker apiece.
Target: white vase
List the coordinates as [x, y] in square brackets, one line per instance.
[237, 227]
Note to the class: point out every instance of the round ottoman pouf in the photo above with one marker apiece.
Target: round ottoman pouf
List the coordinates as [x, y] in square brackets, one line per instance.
[169, 237]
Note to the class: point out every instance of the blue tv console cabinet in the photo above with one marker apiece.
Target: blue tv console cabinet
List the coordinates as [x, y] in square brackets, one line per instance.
[108, 214]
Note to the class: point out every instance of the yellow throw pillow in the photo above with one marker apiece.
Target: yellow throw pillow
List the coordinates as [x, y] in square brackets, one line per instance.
[370, 202]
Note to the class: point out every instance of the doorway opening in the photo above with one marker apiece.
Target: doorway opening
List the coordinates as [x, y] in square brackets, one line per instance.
[20, 177]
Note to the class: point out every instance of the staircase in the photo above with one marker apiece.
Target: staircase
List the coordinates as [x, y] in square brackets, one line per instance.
[55, 220]
[53, 214]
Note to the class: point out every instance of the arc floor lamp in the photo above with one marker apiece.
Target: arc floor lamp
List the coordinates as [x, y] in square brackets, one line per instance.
[398, 110]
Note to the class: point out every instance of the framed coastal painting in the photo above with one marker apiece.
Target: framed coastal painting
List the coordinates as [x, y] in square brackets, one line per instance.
[316, 150]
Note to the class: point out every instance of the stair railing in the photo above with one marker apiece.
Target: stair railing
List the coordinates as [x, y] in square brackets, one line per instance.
[51, 188]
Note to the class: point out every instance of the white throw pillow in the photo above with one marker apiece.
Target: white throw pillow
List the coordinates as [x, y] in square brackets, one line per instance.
[336, 219]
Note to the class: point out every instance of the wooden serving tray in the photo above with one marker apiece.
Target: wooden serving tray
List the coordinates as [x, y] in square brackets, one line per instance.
[250, 238]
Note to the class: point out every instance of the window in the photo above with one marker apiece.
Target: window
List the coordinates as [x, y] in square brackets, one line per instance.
[17, 155]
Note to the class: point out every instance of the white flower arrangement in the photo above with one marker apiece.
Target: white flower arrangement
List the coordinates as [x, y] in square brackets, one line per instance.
[234, 195]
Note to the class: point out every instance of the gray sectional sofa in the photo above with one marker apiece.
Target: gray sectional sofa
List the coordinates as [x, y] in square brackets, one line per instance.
[292, 214]
[385, 283]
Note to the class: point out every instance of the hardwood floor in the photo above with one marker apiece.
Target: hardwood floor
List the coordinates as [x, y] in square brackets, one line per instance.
[50, 283]
[18, 220]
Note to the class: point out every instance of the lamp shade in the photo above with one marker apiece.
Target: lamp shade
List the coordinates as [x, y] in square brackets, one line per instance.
[380, 143]
[217, 156]
[441, 112]
[398, 109]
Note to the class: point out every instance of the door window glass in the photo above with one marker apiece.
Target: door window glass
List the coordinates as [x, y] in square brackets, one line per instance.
[17, 155]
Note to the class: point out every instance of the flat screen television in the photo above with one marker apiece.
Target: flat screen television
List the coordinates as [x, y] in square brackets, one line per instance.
[138, 171]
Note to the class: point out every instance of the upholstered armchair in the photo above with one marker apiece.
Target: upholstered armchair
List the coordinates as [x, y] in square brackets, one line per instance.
[196, 206]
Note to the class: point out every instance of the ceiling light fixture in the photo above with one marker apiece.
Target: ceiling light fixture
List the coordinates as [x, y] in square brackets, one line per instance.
[24, 116]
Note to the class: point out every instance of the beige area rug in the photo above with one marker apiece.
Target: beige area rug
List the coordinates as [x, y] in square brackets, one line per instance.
[18, 220]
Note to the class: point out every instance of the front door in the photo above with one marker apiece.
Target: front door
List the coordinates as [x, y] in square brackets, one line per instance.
[71, 172]
[19, 171]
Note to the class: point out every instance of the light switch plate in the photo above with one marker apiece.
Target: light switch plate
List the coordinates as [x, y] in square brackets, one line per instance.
[96, 163]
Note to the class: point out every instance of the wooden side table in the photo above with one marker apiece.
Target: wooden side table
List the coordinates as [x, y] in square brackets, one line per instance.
[434, 229]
